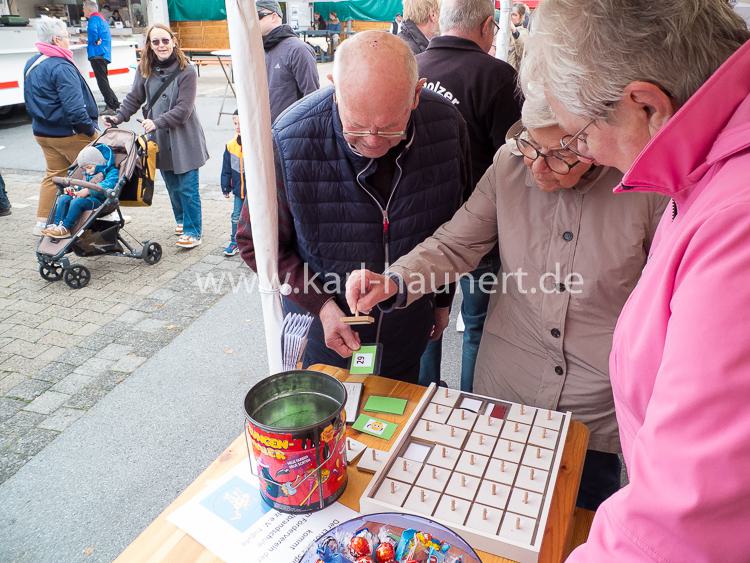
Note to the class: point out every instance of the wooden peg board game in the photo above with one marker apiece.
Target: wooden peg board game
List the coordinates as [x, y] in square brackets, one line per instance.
[486, 468]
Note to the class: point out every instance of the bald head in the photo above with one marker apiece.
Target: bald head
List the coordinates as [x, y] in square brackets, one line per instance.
[375, 76]
[375, 64]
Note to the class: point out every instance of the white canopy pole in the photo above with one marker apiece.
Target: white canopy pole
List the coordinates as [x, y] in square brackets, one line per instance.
[503, 35]
[251, 85]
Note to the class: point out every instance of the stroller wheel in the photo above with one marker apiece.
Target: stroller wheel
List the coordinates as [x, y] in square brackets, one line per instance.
[77, 277]
[152, 253]
[50, 272]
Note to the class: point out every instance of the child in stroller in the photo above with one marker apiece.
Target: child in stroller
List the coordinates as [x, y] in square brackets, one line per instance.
[98, 164]
[92, 222]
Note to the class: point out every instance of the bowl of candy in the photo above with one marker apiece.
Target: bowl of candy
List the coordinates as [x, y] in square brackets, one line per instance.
[389, 537]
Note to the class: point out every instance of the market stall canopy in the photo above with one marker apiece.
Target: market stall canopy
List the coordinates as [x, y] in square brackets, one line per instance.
[364, 10]
[205, 10]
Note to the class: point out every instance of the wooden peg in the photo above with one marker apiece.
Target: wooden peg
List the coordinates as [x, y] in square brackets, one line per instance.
[544, 433]
[463, 480]
[532, 473]
[518, 522]
[453, 504]
[502, 466]
[446, 393]
[373, 455]
[489, 420]
[348, 445]
[523, 410]
[471, 459]
[393, 488]
[444, 453]
[549, 415]
[437, 409]
[539, 453]
[484, 514]
[481, 439]
[510, 448]
[463, 414]
[358, 319]
[427, 425]
[422, 495]
[515, 427]
[405, 466]
[453, 431]
[526, 497]
[494, 489]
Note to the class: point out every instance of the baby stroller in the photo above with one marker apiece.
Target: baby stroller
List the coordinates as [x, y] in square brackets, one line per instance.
[98, 231]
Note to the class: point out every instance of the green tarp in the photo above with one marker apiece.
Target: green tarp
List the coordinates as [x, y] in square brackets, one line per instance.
[367, 10]
[196, 10]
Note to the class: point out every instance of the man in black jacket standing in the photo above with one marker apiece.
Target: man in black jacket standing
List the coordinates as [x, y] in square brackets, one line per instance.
[457, 66]
[290, 62]
[364, 175]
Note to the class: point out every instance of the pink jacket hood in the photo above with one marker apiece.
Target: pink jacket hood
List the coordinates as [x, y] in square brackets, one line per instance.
[680, 361]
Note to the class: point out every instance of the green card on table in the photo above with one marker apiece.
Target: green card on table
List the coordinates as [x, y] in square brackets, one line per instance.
[366, 360]
[375, 426]
[390, 405]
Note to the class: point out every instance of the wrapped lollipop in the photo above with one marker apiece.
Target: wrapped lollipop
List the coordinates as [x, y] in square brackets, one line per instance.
[363, 544]
[329, 551]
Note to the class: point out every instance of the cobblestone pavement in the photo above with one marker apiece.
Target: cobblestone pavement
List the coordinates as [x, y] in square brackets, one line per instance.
[61, 350]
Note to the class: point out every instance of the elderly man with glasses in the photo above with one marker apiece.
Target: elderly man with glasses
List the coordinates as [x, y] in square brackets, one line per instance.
[290, 62]
[366, 171]
[571, 253]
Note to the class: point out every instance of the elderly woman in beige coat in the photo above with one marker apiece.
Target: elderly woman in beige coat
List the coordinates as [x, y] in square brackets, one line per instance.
[571, 253]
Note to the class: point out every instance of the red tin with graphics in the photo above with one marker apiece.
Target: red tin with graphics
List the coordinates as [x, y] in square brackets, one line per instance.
[297, 431]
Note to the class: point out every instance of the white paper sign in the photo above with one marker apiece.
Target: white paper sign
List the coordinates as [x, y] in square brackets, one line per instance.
[231, 520]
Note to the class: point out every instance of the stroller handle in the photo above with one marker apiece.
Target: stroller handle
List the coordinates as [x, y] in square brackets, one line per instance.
[80, 183]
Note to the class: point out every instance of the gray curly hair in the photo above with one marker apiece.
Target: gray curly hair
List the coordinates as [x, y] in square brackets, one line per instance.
[586, 59]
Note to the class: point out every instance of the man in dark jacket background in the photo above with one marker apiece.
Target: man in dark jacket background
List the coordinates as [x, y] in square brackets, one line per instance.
[99, 52]
[290, 62]
[62, 108]
[364, 177]
[420, 23]
[483, 88]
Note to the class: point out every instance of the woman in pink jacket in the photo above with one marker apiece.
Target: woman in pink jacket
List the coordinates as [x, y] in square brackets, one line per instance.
[661, 90]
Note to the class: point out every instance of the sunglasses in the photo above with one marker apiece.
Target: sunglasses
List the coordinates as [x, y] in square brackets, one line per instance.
[262, 15]
[163, 41]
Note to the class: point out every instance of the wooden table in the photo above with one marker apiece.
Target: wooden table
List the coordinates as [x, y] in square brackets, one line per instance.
[163, 541]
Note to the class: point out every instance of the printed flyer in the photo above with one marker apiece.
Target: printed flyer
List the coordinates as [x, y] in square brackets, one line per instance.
[230, 519]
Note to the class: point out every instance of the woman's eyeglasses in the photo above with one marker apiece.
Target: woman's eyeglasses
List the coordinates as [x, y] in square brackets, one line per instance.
[577, 143]
[555, 160]
[163, 41]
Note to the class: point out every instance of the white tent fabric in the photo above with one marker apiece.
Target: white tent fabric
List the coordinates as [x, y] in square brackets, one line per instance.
[251, 85]
[503, 36]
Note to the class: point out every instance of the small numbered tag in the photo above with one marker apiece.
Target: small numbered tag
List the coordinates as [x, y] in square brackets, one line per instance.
[366, 360]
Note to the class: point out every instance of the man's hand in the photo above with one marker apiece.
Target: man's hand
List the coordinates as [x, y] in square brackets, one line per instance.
[339, 337]
[365, 289]
[85, 192]
[110, 121]
[442, 318]
[148, 125]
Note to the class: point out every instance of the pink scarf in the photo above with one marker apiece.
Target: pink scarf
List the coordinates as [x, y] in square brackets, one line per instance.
[50, 50]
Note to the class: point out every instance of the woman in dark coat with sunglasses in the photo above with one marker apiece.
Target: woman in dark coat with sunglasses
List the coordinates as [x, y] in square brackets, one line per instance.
[171, 116]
